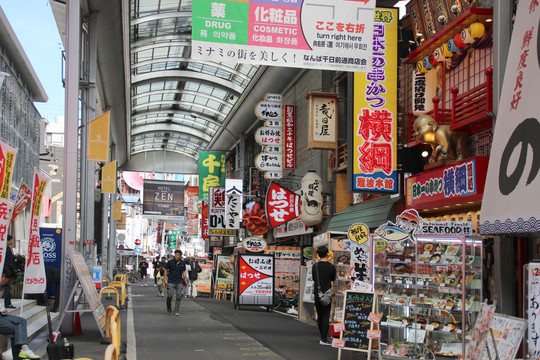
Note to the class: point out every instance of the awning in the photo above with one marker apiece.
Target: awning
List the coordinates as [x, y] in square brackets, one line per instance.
[372, 213]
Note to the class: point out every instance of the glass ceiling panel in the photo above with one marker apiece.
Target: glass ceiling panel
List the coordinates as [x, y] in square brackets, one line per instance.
[161, 29]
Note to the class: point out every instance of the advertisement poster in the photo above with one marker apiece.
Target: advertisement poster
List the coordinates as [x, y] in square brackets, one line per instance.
[224, 273]
[290, 138]
[361, 249]
[204, 280]
[163, 199]
[216, 213]
[255, 282]
[375, 111]
[312, 34]
[287, 267]
[7, 160]
[211, 172]
[24, 195]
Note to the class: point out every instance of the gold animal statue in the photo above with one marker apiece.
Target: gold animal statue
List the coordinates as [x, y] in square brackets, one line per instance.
[445, 143]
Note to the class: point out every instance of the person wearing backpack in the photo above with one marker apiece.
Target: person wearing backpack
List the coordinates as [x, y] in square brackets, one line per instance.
[324, 273]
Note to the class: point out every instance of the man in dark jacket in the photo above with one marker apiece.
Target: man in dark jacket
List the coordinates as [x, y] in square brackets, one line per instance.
[193, 275]
[175, 276]
[8, 264]
[324, 273]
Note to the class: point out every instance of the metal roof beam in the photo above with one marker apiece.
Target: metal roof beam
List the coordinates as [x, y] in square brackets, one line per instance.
[177, 102]
[182, 92]
[171, 114]
[166, 127]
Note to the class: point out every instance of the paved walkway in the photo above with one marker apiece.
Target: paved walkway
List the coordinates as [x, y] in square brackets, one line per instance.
[205, 329]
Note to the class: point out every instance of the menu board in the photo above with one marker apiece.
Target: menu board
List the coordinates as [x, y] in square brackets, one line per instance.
[507, 332]
[357, 309]
[533, 310]
[204, 280]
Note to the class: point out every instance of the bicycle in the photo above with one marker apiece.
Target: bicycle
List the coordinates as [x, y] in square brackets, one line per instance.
[281, 299]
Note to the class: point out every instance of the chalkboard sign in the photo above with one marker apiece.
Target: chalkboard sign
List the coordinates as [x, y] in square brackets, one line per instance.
[358, 306]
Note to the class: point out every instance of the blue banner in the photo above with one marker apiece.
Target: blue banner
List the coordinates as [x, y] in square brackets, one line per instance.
[51, 244]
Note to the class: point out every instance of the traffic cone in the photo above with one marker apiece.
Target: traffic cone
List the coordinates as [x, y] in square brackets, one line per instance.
[77, 330]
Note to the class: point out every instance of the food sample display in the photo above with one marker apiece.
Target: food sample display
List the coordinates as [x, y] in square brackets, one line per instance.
[429, 293]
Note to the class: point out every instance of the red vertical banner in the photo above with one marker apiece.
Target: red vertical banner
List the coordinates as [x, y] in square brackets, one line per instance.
[204, 221]
[289, 137]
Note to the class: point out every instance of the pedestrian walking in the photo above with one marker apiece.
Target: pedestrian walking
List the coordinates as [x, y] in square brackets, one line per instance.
[324, 273]
[175, 280]
[193, 275]
[143, 270]
[155, 265]
[160, 276]
[188, 270]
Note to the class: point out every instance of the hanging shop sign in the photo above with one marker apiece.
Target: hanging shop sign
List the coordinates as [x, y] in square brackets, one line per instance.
[327, 34]
[312, 200]
[163, 199]
[211, 171]
[289, 137]
[255, 279]
[192, 200]
[292, 228]
[322, 129]
[172, 238]
[269, 110]
[269, 136]
[282, 205]
[216, 213]
[450, 228]
[254, 244]
[192, 224]
[205, 233]
[275, 149]
[255, 180]
[98, 138]
[453, 184]
[513, 174]
[533, 309]
[374, 135]
[269, 162]
[361, 249]
[233, 203]
[406, 227]
[424, 90]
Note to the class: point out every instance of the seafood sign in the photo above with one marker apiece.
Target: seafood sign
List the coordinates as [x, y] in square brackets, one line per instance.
[356, 317]
[407, 225]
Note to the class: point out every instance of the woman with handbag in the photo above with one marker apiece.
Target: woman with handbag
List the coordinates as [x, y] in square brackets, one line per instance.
[324, 273]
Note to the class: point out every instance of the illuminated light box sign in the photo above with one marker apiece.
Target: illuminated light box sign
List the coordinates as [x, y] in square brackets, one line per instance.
[163, 198]
[459, 182]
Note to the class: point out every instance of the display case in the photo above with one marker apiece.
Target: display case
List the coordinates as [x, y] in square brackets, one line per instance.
[342, 261]
[429, 293]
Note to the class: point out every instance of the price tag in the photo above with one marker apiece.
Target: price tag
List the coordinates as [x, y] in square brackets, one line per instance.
[447, 329]
[409, 281]
[430, 327]
[399, 282]
[338, 343]
[458, 331]
[373, 318]
[417, 326]
[407, 260]
[448, 307]
[416, 336]
[374, 334]
[339, 327]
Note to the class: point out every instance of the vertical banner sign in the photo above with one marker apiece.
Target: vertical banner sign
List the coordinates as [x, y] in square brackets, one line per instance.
[24, 195]
[424, 90]
[216, 213]
[108, 178]
[322, 120]
[211, 171]
[513, 178]
[7, 160]
[313, 34]
[289, 137]
[34, 274]
[98, 138]
[205, 232]
[117, 210]
[361, 250]
[533, 310]
[255, 180]
[51, 244]
[192, 210]
[375, 112]
[255, 279]
[282, 205]
[233, 203]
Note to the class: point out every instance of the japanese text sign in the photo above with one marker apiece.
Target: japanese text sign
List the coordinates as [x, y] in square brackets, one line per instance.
[515, 153]
[289, 137]
[375, 110]
[323, 117]
[216, 213]
[360, 245]
[358, 306]
[255, 279]
[34, 274]
[269, 136]
[282, 205]
[323, 34]
[211, 171]
[533, 310]
[24, 195]
[7, 160]
[205, 234]
[448, 185]
[269, 110]
[233, 203]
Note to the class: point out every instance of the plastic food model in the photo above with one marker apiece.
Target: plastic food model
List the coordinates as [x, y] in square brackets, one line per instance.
[255, 220]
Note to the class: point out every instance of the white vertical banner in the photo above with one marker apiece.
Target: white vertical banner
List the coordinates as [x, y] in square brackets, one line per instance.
[34, 274]
[233, 203]
[7, 160]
